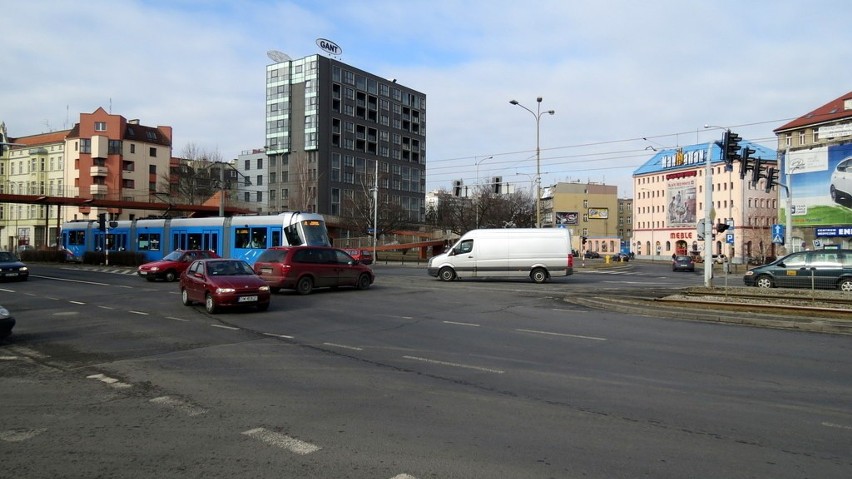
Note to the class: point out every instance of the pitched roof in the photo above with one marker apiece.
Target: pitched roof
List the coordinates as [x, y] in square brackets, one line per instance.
[42, 138]
[837, 109]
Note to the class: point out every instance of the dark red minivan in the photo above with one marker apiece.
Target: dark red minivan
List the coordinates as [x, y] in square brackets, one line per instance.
[304, 268]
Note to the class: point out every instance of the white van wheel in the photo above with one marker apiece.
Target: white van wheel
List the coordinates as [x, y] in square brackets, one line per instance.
[539, 275]
[447, 274]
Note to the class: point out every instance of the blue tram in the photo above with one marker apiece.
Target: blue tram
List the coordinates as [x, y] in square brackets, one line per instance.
[243, 237]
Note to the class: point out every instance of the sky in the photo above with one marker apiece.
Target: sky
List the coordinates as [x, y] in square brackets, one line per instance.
[624, 78]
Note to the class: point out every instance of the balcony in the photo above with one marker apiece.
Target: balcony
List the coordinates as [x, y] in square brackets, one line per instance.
[98, 189]
[98, 171]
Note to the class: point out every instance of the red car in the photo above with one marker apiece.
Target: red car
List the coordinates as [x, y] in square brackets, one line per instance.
[365, 256]
[222, 283]
[304, 268]
[173, 264]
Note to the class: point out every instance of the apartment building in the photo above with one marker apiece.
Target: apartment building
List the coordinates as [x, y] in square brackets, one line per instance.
[330, 129]
[588, 209]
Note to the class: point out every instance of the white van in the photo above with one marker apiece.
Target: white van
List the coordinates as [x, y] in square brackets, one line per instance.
[537, 253]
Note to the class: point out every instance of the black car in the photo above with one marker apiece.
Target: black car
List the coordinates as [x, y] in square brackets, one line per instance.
[621, 257]
[7, 322]
[682, 262]
[825, 268]
[11, 268]
[591, 255]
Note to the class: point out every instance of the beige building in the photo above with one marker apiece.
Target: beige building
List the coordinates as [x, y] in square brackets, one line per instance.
[589, 210]
[669, 201]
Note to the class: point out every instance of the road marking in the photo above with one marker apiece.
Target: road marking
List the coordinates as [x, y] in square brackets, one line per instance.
[461, 324]
[403, 476]
[18, 435]
[224, 327]
[177, 319]
[457, 365]
[142, 313]
[343, 346]
[108, 380]
[183, 406]
[281, 440]
[593, 338]
[76, 302]
[278, 335]
[838, 426]
[8, 358]
[110, 308]
[74, 281]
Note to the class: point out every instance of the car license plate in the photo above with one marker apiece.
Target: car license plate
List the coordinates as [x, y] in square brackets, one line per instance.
[247, 299]
[11, 274]
[266, 270]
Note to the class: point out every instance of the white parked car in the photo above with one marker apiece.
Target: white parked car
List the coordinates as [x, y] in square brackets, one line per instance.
[841, 182]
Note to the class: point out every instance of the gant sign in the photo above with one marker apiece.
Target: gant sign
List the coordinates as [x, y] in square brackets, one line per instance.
[329, 46]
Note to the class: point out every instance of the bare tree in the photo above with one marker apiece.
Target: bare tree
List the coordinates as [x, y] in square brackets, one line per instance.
[195, 178]
[358, 210]
[485, 209]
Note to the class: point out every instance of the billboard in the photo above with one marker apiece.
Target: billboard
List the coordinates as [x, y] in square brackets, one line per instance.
[598, 213]
[820, 184]
[681, 207]
[567, 218]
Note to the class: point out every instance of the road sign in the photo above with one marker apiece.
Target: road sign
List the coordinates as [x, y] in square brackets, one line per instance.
[778, 234]
[729, 238]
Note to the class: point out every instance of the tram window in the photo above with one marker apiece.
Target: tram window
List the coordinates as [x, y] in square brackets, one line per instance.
[276, 238]
[148, 242]
[241, 237]
[194, 241]
[251, 238]
[292, 234]
[77, 237]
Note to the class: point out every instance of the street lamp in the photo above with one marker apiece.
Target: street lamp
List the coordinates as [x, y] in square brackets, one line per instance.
[537, 114]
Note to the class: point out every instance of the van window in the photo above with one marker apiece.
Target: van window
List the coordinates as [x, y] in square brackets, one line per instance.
[795, 260]
[465, 246]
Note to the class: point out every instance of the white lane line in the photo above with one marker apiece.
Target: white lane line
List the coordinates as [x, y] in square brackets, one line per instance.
[177, 319]
[334, 345]
[457, 365]
[76, 302]
[224, 327]
[183, 406]
[108, 380]
[593, 338]
[18, 435]
[838, 426]
[141, 313]
[106, 307]
[461, 324]
[281, 440]
[8, 358]
[278, 335]
[403, 476]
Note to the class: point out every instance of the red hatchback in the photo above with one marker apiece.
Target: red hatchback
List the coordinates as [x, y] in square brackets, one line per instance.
[221, 283]
[173, 264]
[304, 268]
[365, 256]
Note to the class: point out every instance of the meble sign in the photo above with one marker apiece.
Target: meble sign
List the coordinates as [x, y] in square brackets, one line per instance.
[329, 46]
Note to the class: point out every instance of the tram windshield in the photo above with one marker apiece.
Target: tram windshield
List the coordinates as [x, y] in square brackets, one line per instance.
[307, 232]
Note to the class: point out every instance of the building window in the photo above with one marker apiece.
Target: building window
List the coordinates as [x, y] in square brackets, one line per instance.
[152, 152]
[259, 196]
[100, 126]
[132, 148]
[85, 145]
[246, 197]
[247, 165]
[259, 180]
[260, 163]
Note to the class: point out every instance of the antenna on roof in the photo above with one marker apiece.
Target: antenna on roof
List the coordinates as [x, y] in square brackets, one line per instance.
[278, 57]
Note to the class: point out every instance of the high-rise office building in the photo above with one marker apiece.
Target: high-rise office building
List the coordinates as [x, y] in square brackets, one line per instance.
[330, 128]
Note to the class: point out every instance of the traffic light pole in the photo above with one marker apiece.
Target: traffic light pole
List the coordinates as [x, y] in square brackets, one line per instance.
[708, 217]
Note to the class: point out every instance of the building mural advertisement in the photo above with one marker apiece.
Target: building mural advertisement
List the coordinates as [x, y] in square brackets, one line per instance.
[820, 180]
[681, 207]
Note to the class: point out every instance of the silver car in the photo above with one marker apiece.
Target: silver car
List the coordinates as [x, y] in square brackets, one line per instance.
[841, 182]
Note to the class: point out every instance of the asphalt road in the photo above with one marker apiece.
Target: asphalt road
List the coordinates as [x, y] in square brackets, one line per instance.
[110, 376]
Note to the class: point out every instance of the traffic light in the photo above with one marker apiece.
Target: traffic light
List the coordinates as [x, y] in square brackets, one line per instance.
[584, 240]
[721, 227]
[730, 149]
[497, 185]
[755, 172]
[771, 178]
[745, 163]
[457, 187]
[102, 221]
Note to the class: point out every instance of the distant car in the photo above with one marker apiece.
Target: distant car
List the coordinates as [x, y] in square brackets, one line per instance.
[173, 264]
[7, 322]
[222, 283]
[365, 256]
[683, 263]
[11, 268]
[304, 268]
[841, 182]
[621, 257]
[591, 254]
[826, 268]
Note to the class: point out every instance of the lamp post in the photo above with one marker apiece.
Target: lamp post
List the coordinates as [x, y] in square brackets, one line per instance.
[709, 211]
[537, 114]
[476, 163]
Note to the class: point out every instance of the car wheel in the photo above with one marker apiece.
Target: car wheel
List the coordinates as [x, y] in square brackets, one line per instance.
[447, 274]
[834, 196]
[209, 304]
[539, 275]
[363, 281]
[263, 306]
[845, 284]
[184, 297]
[305, 285]
[764, 282]
[171, 276]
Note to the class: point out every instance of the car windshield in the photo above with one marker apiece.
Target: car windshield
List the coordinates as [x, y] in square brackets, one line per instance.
[173, 256]
[228, 268]
[6, 256]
